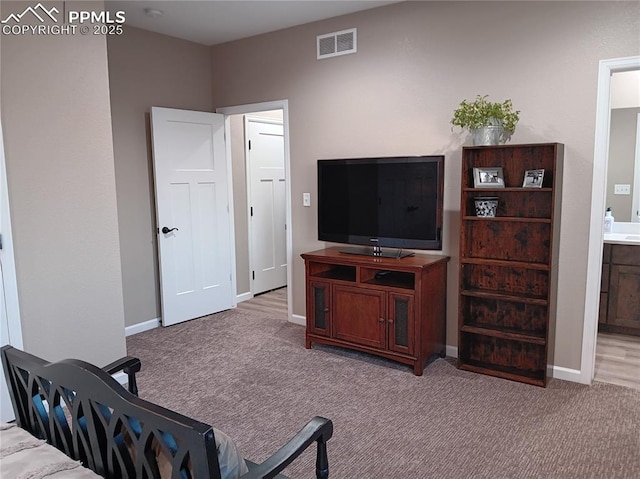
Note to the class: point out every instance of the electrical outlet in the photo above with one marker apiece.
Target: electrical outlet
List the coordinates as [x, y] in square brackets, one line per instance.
[306, 199]
[622, 189]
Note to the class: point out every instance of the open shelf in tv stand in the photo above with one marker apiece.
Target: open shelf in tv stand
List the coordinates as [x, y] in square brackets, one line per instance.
[390, 307]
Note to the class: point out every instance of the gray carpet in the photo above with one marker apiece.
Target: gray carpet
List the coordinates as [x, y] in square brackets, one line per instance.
[250, 375]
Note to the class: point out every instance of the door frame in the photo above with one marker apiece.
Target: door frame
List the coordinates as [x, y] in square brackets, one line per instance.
[9, 302]
[635, 201]
[272, 121]
[251, 108]
[598, 200]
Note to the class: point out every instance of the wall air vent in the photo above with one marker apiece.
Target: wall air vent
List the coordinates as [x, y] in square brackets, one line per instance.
[337, 43]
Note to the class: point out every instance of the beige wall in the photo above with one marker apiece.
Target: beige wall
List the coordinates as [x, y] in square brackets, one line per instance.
[147, 69]
[622, 156]
[59, 157]
[416, 61]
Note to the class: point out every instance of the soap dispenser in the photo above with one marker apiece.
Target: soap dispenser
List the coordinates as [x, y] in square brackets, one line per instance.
[608, 221]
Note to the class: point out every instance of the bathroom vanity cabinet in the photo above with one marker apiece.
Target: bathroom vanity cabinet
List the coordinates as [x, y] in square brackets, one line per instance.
[620, 290]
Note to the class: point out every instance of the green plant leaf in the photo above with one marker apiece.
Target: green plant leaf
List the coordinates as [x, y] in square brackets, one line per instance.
[482, 112]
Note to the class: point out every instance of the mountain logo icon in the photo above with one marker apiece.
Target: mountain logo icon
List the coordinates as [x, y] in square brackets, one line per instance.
[39, 11]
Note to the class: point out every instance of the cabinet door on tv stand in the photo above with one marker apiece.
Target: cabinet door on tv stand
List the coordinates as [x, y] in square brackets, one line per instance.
[401, 321]
[319, 313]
[359, 316]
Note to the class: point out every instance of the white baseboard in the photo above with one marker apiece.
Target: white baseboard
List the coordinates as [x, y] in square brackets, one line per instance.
[452, 351]
[142, 327]
[243, 297]
[566, 374]
[298, 319]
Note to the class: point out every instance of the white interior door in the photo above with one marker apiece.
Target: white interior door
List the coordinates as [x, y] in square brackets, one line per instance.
[192, 209]
[267, 200]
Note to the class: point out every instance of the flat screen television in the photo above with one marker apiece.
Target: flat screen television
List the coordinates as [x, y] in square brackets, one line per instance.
[382, 202]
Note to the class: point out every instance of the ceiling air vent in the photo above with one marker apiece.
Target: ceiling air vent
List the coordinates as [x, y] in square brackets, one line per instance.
[337, 43]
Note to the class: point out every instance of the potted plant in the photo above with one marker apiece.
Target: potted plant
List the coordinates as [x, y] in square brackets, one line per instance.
[490, 123]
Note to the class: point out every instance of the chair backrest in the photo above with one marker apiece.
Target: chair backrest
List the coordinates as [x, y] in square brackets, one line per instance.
[88, 415]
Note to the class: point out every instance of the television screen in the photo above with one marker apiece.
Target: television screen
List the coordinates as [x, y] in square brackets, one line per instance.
[385, 202]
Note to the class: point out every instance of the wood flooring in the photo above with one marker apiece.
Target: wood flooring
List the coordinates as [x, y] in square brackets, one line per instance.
[617, 356]
[273, 303]
[618, 360]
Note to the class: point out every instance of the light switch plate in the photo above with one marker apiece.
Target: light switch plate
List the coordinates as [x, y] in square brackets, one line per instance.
[622, 189]
[306, 199]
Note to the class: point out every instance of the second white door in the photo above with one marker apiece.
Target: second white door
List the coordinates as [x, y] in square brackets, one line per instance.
[267, 204]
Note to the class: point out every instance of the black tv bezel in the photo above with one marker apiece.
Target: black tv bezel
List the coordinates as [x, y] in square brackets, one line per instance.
[385, 242]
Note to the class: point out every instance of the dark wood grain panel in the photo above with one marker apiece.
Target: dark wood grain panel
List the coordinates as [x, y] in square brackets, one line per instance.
[505, 279]
[493, 313]
[514, 355]
[625, 254]
[514, 161]
[513, 241]
[620, 286]
[602, 312]
[508, 264]
[624, 298]
[363, 315]
[391, 307]
[522, 203]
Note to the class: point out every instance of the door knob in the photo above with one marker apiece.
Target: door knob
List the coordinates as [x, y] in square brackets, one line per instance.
[166, 230]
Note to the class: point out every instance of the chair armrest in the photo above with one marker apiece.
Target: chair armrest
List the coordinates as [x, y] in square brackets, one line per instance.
[318, 429]
[130, 366]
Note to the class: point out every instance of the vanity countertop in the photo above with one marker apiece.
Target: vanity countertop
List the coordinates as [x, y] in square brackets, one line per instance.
[624, 233]
[622, 238]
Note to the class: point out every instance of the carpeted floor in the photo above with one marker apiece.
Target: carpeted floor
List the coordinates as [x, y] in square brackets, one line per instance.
[247, 372]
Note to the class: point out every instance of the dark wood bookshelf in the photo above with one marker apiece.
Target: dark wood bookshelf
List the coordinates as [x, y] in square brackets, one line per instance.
[508, 276]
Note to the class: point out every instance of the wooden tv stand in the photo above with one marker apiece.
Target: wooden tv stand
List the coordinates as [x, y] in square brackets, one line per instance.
[395, 308]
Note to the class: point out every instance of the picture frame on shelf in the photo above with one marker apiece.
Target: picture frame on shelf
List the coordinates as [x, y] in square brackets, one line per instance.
[533, 179]
[488, 177]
